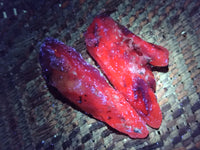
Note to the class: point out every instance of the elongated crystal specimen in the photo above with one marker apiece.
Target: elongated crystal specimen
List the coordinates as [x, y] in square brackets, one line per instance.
[124, 59]
[81, 83]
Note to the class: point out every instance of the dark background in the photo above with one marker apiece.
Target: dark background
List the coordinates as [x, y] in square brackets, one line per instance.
[32, 118]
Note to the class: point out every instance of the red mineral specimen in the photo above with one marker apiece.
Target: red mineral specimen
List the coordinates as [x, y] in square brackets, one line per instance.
[81, 83]
[124, 59]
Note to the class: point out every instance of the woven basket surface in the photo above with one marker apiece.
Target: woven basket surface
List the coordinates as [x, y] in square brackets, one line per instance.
[32, 118]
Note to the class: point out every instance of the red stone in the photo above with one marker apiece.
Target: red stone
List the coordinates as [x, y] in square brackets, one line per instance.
[82, 84]
[125, 59]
